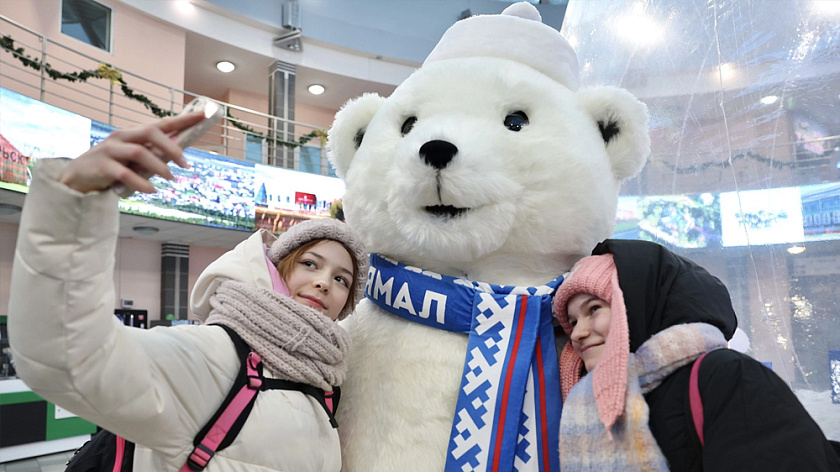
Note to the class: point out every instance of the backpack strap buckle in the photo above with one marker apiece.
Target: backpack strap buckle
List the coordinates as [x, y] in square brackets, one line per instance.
[199, 458]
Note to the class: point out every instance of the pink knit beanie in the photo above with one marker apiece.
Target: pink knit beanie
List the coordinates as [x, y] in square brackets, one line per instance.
[324, 228]
[597, 275]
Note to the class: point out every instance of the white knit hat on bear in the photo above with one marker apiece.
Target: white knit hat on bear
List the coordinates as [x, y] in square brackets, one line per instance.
[517, 34]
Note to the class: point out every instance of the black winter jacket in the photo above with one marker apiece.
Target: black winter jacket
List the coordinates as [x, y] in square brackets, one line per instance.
[752, 421]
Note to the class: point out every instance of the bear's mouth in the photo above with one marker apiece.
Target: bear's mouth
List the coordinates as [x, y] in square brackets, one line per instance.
[446, 211]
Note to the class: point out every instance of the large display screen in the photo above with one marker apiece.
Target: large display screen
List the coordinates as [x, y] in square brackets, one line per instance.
[686, 221]
[768, 216]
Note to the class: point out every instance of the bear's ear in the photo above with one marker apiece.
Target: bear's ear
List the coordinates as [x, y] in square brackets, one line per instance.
[346, 134]
[623, 121]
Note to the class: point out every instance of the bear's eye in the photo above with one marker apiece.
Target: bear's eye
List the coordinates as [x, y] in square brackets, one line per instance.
[516, 120]
[357, 139]
[408, 125]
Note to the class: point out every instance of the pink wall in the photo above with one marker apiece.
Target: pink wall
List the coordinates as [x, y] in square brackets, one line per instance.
[317, 116]
[137, 274]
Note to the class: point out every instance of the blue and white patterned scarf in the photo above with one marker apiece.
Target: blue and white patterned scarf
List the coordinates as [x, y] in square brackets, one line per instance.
[508, 411]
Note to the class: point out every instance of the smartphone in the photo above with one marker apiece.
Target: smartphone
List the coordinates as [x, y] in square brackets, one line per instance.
[213, 112]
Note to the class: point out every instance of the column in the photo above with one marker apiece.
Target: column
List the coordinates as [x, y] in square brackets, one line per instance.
[174, 280]
[281, 103]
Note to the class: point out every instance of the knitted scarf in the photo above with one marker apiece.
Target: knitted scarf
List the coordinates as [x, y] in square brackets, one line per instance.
[586, 445]
[295, 342]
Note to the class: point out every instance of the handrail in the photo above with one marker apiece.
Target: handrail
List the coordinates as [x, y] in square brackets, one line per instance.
[240, 135]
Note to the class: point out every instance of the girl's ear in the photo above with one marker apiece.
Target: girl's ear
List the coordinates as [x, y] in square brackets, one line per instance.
[348, 130]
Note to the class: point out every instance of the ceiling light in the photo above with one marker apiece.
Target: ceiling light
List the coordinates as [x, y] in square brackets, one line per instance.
[316, 89]
[225, 66]
[639, 29]
[9, 209]
[826, 6]
[184, 6]
[726, 70]
[145, 229]
[794, 250]
[769, 100]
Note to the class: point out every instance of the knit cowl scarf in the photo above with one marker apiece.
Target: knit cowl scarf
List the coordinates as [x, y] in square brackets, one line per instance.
[585, 443]
[295, 342]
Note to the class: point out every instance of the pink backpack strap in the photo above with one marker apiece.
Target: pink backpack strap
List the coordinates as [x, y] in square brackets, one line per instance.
[206, 448]
[119, 454]
[695, 400]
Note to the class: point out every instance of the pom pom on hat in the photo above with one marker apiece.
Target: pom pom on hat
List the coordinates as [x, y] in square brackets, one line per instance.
[597, 275]
[324, 228]
[517, 34]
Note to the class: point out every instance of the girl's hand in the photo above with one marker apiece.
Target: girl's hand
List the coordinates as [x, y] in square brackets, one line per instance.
[126, 153]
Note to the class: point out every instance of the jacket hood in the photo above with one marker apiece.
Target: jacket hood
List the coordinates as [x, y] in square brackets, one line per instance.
[244, 263]
[662, 289]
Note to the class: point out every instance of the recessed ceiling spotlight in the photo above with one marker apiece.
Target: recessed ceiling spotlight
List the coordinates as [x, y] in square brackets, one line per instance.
[225, 66]
[770, 99]
[9, 209]
[145, 229]
[796, 249]
[316, 89]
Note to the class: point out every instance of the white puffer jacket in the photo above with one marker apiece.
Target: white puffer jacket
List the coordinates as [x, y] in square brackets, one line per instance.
[155, 387]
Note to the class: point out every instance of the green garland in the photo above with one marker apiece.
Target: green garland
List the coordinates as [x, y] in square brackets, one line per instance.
[106, 71]
[725, 164]
[9, 45]
[318, 133]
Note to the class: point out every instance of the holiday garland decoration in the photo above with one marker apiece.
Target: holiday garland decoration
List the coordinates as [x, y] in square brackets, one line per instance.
[106, 71]
[728, 163]
[319, 133]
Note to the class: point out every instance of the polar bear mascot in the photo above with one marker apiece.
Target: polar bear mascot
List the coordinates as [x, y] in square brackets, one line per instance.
[475, 186]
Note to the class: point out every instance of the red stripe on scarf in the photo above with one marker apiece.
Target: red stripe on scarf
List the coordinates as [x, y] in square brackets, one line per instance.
[543, 414]
[503, 408]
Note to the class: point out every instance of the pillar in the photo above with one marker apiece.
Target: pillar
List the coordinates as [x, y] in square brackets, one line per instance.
[174, 280]
[281, 103]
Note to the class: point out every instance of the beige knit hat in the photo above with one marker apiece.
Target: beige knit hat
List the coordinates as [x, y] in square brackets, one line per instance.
[324, 228]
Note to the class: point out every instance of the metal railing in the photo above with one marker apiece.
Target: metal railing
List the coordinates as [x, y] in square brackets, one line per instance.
[39, 67]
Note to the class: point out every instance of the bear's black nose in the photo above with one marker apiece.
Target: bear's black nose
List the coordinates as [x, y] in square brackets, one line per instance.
[438, 153]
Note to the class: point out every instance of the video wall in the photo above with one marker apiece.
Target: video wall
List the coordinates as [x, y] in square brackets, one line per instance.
[215, 191]
[239, 195]
[769, 216]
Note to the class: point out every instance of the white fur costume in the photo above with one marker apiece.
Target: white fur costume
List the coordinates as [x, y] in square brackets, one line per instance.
[509, 200]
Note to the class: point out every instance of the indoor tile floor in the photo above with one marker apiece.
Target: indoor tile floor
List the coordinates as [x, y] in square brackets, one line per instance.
[50, 463]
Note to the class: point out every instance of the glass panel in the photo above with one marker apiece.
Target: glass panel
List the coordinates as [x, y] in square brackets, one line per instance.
[743, 176]
[253, 148]
[310, 160]
[87, 21]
